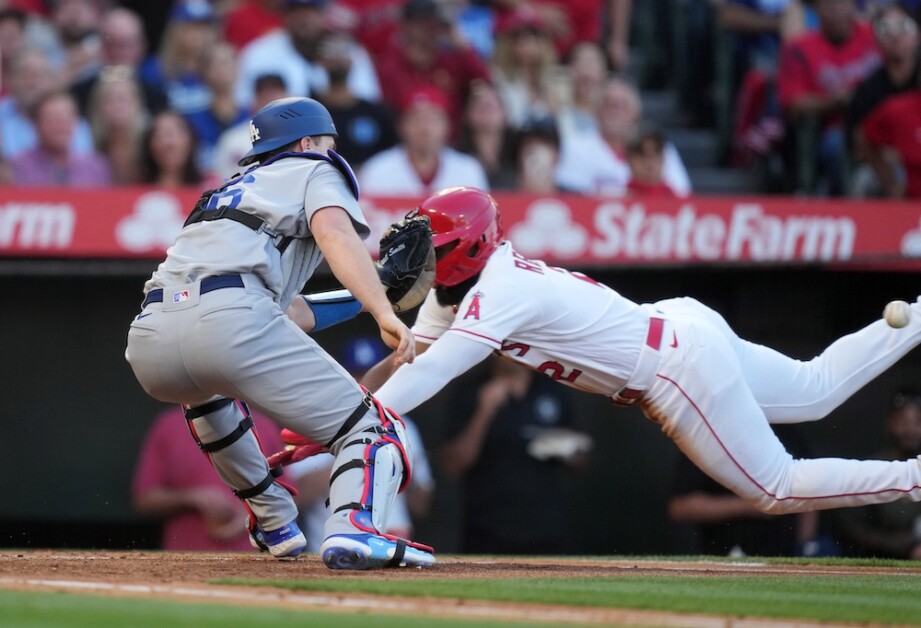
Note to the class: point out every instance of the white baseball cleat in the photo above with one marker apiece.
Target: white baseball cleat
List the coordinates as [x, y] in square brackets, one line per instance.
[370, 551]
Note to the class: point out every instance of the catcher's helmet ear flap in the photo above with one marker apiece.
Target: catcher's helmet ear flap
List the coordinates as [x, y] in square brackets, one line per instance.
[284, 121]
[466, 229]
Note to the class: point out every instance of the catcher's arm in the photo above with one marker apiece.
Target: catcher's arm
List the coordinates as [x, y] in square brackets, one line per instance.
[335, 234]
[406, 271]
[313, 312]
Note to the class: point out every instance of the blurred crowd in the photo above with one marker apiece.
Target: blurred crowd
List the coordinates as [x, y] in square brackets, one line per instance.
[504, 94]
[821, 96]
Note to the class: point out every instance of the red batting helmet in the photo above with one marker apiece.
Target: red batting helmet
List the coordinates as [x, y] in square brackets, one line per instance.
[466, 230]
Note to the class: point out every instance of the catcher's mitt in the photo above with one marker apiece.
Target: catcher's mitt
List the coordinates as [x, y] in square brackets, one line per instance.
[407, 261]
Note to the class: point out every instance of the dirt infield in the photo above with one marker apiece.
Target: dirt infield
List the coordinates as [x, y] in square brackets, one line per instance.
[186, 576]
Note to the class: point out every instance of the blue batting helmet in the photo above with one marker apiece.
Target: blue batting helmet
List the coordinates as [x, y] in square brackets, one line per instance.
[284, 121]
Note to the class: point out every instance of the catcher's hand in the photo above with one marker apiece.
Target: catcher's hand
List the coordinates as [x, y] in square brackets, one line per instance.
[407, 261]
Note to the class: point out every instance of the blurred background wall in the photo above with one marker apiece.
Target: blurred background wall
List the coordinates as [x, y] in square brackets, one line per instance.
[73, 416]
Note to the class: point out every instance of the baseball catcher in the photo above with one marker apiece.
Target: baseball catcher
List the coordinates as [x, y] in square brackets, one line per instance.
[215, 333]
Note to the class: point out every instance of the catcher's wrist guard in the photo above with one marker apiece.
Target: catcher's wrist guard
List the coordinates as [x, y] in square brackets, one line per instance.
[407, 261]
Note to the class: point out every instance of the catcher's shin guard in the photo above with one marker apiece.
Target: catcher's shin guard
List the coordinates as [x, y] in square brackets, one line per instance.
[224, 431]
[372, 465]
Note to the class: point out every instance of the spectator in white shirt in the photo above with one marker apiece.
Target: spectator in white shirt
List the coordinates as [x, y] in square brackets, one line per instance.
[423, 162]
[292, 52]
[588, 71]
[594, 161]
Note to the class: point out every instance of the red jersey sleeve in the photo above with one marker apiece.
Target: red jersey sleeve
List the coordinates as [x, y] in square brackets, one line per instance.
[793, 80]
[877, 127]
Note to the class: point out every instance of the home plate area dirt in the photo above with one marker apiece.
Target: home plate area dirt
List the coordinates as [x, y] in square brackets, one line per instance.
[185, 576]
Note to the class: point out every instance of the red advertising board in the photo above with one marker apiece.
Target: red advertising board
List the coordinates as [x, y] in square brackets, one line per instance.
[142, 222]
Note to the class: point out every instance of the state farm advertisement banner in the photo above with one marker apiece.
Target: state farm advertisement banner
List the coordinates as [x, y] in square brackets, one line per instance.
[142, 222]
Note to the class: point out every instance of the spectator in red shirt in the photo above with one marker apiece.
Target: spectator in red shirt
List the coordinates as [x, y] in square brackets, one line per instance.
[38, 7]
[645, 149]
[251, 19]
[575, 21]
[896, 125]
[896, 31]
[175, 481]
[817, 76]
[427, 53]
[899, 40]
[373, 22]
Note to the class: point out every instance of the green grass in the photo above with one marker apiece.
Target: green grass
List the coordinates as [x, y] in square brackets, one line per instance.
[884, 599]
[892, 598]
[759, 560]
[58, 610]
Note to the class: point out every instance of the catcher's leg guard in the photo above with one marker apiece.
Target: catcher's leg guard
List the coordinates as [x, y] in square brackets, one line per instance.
[372, 465]
[224, 431]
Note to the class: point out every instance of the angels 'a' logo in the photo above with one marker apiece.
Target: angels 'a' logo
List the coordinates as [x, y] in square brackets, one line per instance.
[474, 308]
[253, 132]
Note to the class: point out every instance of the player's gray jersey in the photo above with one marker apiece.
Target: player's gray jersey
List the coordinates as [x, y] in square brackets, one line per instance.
[285, 194]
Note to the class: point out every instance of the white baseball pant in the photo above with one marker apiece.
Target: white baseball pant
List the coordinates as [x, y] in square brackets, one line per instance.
[715, 394]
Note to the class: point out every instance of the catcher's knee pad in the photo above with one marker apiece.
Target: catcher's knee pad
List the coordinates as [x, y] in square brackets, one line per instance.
[373, 464]
[225, 432]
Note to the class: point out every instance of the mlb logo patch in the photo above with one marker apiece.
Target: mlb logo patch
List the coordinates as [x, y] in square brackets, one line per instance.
[180, 296]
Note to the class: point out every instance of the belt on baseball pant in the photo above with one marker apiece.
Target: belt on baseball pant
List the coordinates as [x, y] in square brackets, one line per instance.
[208, 284]
[646, 365]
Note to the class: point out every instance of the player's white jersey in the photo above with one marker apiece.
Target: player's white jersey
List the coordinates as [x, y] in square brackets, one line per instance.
[563, 324]
[285, 194]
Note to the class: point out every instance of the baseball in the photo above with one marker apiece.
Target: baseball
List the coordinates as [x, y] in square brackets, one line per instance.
[897, 314]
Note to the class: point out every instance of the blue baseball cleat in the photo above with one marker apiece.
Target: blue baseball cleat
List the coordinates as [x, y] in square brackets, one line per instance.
[370, 551]
[285, 542]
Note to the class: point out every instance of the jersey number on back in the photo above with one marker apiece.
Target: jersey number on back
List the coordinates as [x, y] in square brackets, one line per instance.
[538, 267]
[553, 370]
[229, 196]
[556, 372]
